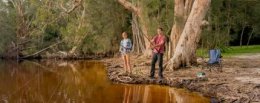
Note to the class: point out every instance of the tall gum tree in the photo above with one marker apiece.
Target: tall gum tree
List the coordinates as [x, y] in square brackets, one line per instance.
[185, 50]
[182, 10]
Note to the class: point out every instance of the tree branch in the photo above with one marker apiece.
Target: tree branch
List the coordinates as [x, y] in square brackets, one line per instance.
[129, 6]
[76, 4]
[38, 52]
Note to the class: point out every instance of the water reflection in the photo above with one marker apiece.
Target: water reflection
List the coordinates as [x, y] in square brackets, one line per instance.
[158, 94]
[78, 82]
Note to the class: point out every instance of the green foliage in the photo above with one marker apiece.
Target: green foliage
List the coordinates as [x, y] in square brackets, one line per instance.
[7, 24]
[93, 27]
[106, 20]
[232, 51]
[158, 13]
[227, 19]
[236, 50]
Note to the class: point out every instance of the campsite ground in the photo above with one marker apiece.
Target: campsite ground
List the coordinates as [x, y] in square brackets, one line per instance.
[239, 81]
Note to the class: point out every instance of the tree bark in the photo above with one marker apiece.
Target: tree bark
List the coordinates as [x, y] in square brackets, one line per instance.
[182, 10]
[22, 26]
[186, 48]
[250, 36]
[138, 40]
[241, 36]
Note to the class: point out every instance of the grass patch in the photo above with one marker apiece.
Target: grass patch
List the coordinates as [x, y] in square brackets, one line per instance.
[232, 51]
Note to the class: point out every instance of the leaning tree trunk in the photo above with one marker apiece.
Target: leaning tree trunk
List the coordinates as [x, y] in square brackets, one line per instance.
[181, 12]
[138, 40]
[141, 22]
[250, 36]
[241, 36]
[186, 47]
[147, 50]
[22, 29]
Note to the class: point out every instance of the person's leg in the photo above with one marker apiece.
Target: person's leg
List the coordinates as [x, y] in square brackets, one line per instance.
[154, 59]
[160, 57]
[125, 62]
[128, 63]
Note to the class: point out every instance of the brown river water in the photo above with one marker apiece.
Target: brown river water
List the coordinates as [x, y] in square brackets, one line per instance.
[78, 82]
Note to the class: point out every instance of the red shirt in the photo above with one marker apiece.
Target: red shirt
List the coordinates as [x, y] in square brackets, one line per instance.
[159, 40]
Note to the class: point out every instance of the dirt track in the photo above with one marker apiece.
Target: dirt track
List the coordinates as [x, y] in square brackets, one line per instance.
[239, 81]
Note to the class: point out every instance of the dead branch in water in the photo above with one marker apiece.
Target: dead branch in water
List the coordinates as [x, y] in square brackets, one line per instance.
[38, 52]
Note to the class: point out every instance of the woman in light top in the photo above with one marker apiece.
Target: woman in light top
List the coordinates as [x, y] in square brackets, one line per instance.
[125, 49]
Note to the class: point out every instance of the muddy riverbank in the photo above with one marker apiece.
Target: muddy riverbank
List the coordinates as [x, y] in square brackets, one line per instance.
[239, 81]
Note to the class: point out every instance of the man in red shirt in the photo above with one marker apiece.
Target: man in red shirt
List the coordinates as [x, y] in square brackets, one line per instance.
[157, 44]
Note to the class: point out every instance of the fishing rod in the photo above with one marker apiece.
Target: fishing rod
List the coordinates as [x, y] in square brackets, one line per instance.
[150, 42]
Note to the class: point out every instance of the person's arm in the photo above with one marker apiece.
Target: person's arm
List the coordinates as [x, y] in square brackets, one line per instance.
[152, 41]
[128, 44]
[120, 47]
[160, 43]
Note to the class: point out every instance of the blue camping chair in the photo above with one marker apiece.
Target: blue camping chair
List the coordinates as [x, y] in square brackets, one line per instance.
[215, 60]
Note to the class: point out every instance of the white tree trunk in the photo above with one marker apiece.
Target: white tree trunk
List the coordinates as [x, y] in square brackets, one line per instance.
[187, 44]
[138, 40]
[181, 12]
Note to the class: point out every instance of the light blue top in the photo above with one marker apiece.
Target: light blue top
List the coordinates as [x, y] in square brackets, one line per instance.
[125, 46]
